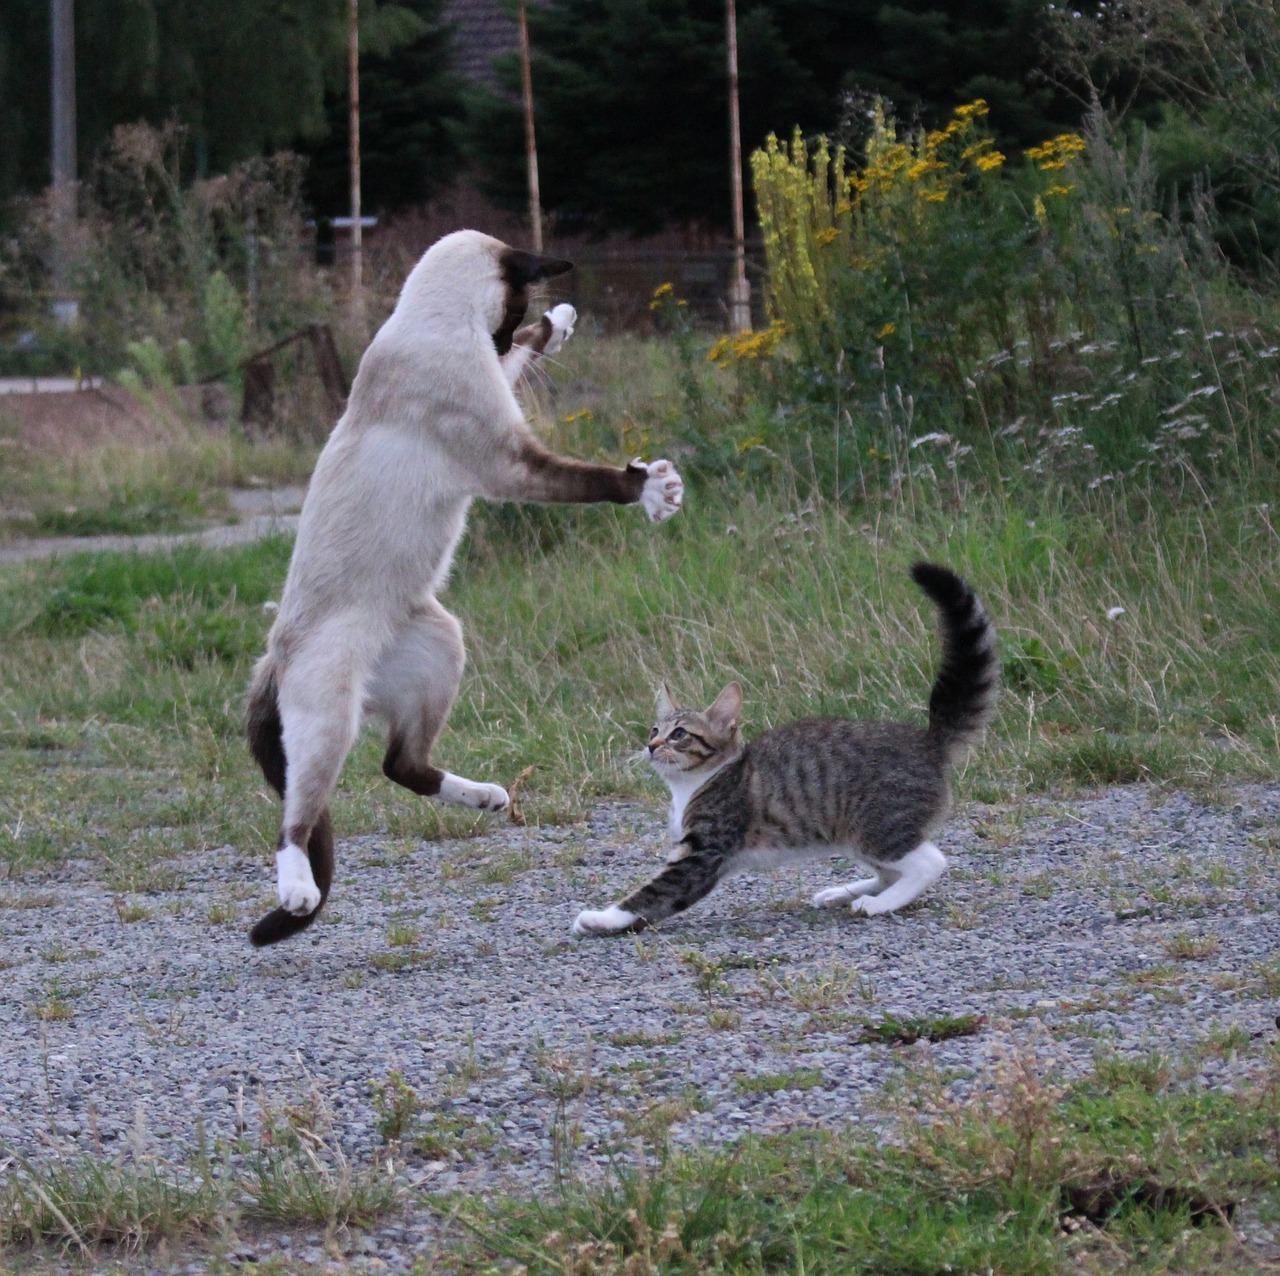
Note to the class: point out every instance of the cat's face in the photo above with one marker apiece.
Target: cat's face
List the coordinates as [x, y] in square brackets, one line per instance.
[471, 271]
[688, 741]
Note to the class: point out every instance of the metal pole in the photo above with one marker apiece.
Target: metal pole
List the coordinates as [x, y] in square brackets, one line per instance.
[739, 288]
[353, 70]
[530, 143]
[62, 26]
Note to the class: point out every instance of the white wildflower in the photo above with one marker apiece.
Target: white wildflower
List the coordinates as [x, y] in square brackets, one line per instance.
[1114, 613]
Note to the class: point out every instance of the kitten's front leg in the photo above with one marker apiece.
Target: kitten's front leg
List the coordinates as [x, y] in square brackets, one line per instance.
[683, 882]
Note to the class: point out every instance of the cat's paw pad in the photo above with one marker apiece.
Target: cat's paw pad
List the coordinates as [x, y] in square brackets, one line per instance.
[295, 885]
[562, 319]
[608, 921]
[663, 491]
[832, 897]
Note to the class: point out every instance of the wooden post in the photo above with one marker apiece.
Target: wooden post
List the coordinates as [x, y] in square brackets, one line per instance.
[62, 31]
[739, 288]
[353, 76]
[530, 142]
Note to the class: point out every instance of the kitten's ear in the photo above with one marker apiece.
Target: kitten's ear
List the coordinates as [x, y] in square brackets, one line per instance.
[727, 709]
[665, 704]
[520, 269]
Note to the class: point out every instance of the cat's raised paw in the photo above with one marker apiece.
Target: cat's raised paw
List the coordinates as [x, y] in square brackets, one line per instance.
[608, 921]
[480, 797]
[663, 491]
[562, 319]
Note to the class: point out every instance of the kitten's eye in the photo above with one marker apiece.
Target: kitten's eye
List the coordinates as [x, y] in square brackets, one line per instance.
[678, 734]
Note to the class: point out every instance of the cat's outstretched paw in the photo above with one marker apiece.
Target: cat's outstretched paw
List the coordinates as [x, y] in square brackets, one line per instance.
[608, 921]
[836, 896]
[295, 885]
[663, 491]
[562, 318]
[480, 797]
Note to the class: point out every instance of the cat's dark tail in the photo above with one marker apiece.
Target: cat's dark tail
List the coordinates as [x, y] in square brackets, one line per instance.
[266, 743]
[963, 699]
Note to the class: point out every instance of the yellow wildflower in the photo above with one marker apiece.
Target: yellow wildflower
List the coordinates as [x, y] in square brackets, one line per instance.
[977, 107]
[887, 331]
[827, 236]
[988, 162]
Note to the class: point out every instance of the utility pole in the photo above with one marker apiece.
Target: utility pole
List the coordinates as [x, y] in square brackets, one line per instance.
[530, 142]
[353, 75]
[739, 288]
[62, 31]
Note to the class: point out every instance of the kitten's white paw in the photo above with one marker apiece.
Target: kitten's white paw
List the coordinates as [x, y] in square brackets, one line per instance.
[481, 797]
[834, 896]
[609, 921]
[663, 491]
[562, 317]
[870, 905]
[295, 885]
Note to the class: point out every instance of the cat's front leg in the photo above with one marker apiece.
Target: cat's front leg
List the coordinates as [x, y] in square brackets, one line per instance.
[681, 883]
[835, 896]
[545, 337]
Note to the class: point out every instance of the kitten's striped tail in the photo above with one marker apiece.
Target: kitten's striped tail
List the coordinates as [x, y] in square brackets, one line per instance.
[963, 699]
[266, 743]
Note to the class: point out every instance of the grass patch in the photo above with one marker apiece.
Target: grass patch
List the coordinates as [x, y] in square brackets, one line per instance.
[1032, 1175]
[893, 1031]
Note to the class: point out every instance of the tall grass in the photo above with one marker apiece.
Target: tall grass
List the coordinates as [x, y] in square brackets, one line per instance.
[574, 616]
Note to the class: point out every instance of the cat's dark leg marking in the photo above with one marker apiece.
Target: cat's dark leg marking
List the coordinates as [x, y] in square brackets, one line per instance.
[414, 687]
[558, 479]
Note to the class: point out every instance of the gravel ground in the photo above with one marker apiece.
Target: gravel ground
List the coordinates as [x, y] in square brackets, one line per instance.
[1131, 916]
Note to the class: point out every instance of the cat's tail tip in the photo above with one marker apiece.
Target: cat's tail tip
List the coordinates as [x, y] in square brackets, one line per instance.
[964, 693]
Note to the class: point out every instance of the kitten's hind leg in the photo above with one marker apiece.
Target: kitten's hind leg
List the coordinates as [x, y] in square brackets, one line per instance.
[414, 687]
[683, 882]
[836, 896]
[917, 870]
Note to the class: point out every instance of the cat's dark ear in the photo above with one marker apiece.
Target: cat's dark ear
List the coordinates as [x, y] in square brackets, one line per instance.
[726, 712]
[520, 269]
[665, 705]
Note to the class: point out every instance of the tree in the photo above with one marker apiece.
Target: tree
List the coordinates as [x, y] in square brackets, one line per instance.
[411, 108]
[632, 100]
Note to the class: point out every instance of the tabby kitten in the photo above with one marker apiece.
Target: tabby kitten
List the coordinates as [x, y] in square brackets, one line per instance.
[876, 792]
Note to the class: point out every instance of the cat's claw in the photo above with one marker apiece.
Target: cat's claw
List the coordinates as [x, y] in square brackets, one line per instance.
[663, 491]
[562, 319]
[609, 921]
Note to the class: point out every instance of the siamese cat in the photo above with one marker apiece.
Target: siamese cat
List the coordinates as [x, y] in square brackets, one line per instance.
[432, 422]
[876, 792]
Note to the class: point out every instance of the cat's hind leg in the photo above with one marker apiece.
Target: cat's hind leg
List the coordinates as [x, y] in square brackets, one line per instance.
[837, 896]
[317, 706]
[683, 882]
[916, 872]
[413, 687]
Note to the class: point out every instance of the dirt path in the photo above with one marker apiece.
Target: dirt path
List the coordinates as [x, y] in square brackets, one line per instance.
[263, 512]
